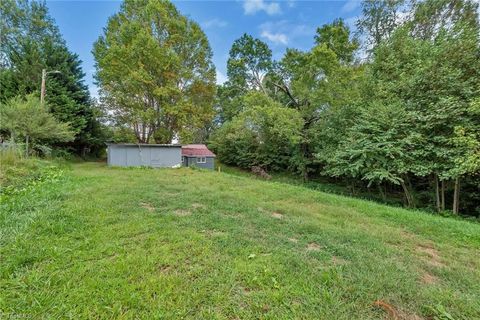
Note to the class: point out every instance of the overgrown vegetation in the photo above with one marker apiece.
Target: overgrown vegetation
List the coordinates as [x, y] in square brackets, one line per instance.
[18, 173]
[30, 120]
[404, 118]
[124, 243]
[31, 42]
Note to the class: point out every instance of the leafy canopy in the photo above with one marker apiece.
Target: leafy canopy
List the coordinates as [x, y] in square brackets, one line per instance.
[155, 71]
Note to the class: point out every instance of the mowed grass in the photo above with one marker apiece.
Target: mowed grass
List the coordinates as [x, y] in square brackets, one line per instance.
[111, 243]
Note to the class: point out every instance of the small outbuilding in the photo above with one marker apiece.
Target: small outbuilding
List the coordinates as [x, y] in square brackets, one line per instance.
[149, 155]
[198, 155]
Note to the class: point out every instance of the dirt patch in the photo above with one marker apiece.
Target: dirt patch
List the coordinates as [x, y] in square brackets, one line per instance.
[277, 215]
[312, 246]
[405, 316]
[182, 213]
[265, 308]
[147, 206]
[388, 308]
[428, 278]
[432, 253]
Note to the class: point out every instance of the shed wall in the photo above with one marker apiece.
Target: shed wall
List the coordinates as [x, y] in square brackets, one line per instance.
[138, 155]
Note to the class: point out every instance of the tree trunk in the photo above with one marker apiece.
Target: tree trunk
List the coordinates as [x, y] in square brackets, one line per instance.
[408, 195]
[437, 193]
[304, 160]
[456, 196]
[442, 196]
[410, 188]
[26, 146]
[382, 192]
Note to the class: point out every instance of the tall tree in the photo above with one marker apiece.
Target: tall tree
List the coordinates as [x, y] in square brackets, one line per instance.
[155, 71]
[250, 60]
[31, 42]
[336, 36]
[379, 19]
[318, 82]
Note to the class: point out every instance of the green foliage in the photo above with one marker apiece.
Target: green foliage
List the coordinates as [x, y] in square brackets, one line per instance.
[31, 42]
[250, 60]
[262, 135]
[20, 175]
[467, 140]
[163, 61]
[404, 119]
[379, 19]
[337, 38]
[30, 120]
[318, 84]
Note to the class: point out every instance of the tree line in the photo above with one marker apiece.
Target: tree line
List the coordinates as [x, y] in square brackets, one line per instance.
[392, 108]
[30, 43]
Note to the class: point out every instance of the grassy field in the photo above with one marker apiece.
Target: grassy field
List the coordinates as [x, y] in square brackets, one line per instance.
[107, 243]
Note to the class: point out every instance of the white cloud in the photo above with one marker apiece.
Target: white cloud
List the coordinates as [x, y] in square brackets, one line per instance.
[284, 32]
[254, 6]
[276, 38]
[221, 77]
[214, 23]
[350, 6]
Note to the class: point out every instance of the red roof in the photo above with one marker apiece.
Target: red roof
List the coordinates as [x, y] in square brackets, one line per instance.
[196, 150]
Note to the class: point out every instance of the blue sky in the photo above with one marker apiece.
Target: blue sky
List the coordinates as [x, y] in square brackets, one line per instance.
[281, 24]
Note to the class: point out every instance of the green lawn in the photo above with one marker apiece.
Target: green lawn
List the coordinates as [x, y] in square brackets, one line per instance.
[179, 243]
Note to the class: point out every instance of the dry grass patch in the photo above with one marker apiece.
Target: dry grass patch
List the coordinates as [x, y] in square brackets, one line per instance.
[432, 253]
[198, 206]
[312, 246]
[338, 261]
[148, 206]
[277, 215]
[182, 212]
[428, 278]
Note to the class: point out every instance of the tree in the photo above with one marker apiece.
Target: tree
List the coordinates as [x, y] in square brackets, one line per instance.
[316, 83]
[30, 120]
[432, 76]
[336, 36]
[250, 60]
[31, 42]
[264, 134]
[155, 71]
[379, 19]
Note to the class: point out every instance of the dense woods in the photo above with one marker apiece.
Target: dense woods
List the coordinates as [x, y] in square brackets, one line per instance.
[391, 109]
